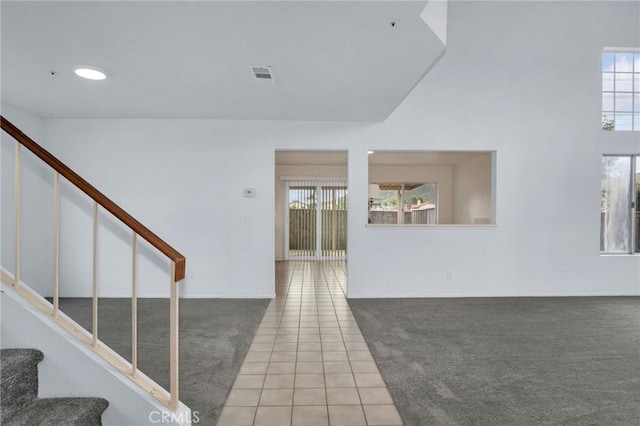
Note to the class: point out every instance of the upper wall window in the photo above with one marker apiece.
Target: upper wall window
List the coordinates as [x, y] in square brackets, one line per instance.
[621, 90]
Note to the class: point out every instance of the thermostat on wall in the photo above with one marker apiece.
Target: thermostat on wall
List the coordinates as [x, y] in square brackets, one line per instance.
[249, 192]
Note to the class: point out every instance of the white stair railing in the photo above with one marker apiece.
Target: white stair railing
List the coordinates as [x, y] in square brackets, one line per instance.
[177, 273]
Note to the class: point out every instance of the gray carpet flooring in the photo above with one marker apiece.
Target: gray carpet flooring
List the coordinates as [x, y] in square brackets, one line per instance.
[508, 361]
[215, 336]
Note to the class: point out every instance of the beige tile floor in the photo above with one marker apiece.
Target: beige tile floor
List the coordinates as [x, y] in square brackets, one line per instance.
[308, 363]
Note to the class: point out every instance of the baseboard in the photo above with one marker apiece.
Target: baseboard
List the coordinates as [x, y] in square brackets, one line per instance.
[182, 297]
[227, 296]
[165, 296]
[484, 296]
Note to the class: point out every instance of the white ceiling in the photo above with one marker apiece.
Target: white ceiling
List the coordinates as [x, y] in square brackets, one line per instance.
[180, 59]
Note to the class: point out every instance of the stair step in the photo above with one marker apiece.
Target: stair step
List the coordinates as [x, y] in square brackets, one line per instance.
[60, 412]
[19, 379]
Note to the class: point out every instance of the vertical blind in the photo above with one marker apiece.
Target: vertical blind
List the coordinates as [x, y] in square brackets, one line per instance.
[317, 220]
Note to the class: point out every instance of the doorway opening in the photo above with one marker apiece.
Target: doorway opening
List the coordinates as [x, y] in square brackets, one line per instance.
[311, 205]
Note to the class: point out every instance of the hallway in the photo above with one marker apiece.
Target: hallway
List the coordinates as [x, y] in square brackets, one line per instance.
[308, 363]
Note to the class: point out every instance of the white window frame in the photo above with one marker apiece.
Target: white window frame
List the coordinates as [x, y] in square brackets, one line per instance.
[635, 90]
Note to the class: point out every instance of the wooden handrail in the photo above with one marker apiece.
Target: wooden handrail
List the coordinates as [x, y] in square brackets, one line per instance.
[98, 197]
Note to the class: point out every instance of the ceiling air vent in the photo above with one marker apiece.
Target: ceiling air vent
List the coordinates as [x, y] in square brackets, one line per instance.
[262, 74]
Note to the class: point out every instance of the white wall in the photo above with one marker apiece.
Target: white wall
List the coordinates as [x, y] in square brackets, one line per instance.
[89, 376]
[37, 205]
[522, 79]
[300, 171]
[185, 182]
[519, 78]
[472, 190]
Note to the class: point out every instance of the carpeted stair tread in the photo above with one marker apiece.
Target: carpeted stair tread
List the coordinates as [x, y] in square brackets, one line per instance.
[12, 356]
[60, 412]
[19, 379]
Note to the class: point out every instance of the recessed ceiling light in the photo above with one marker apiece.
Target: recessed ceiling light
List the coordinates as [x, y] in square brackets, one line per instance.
[369, 152]
[90, 73]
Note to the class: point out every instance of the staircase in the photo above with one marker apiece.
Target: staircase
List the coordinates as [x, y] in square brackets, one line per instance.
[20, 404]
[27, 402]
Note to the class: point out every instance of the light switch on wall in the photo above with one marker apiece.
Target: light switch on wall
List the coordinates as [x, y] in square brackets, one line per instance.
[249, 192]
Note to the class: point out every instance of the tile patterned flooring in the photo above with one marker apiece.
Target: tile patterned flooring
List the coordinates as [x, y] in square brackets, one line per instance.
[308, 363]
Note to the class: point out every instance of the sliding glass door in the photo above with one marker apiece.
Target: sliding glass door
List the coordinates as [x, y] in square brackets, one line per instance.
[619, 213]
[316, 220]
